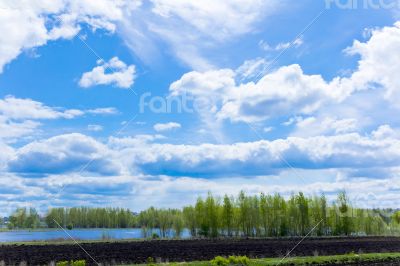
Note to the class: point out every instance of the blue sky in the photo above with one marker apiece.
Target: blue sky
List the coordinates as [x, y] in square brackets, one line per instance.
[265, 96]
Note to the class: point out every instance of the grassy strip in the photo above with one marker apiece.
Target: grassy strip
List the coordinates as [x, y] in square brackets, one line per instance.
[337, 259]
[316, 260]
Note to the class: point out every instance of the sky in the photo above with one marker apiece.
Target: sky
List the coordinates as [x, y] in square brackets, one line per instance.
[133, 104]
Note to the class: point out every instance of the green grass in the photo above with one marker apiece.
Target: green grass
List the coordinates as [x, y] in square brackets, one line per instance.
[316, 260]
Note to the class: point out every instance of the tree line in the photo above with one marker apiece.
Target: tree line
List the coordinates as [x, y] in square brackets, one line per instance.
[273, 216]
[84, 217]
[242, 216]
[24, 218]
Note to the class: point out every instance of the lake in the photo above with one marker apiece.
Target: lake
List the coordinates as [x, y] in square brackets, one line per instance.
[77, 234]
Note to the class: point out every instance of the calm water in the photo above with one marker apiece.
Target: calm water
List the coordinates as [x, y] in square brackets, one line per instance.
[78, 234]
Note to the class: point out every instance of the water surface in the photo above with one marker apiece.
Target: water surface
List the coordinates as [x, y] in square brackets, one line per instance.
[77, 234]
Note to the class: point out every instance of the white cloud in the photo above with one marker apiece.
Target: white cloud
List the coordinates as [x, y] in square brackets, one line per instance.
[292, 120]
[281, 46]
[316, 126]
[252, 69]
[16, 108]
[6, 154]
[221, 20]
[166, 127]
[95, 127]
[379, 63]
[285, 91]
[142, 155]
[103, 111]
[20, 117]
[168, 192]
[27, 24]
[11, 130]
[120, 74]
[341, 151]
[288, 91]
[64, 153]
[138, 166]
[385, 131]
[296, 43]
[268, 129]
[187, 28]
[210, 83]
[191, 28]
[22, 109]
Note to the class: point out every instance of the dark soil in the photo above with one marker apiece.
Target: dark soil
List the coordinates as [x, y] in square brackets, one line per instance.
[193, 250]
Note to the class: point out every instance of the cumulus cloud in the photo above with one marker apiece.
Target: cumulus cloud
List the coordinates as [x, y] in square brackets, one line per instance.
[119, 74]
[19, 117]
[10, 131]
[61, 154]
[137, 166]
[30, 24]
[379, 63]
[22, 117]
[142, 155]
[285, 91]
[384, 132]
[316, 126]
[288, 91]
[166, 127]
[265, 157]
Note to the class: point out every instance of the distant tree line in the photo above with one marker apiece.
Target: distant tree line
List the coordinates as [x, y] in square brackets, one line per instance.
[84, 217]
[274, 216]
[249, 216]
[24, 218]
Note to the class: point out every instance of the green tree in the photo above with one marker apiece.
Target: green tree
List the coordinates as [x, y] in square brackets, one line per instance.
[189, 216]
[345, 222]
[227, 215]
